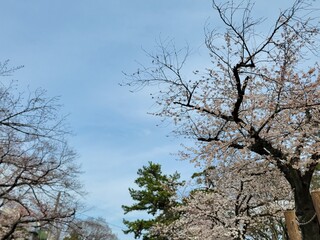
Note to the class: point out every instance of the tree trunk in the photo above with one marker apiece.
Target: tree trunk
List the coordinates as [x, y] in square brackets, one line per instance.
[305, 211]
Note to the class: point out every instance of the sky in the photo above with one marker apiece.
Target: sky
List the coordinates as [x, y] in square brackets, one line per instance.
[78, 50]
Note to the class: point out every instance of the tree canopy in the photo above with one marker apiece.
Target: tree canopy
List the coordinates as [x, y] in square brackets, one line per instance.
[157, 195]
[90, 229]
[256, 107]
[38, 175]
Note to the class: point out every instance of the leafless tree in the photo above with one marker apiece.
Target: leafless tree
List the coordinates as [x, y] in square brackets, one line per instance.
[91, 229]
[36, 163]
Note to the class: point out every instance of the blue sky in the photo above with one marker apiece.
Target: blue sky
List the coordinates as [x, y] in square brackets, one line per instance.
[77, 50]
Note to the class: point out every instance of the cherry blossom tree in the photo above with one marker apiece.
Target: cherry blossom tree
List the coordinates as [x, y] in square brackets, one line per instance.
[259, 99]
[38, 175]
[234, 202]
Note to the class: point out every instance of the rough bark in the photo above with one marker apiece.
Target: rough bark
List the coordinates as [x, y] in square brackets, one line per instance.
[305, 211]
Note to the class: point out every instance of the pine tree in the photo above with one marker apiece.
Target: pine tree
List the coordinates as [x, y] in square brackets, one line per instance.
[157, 194]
